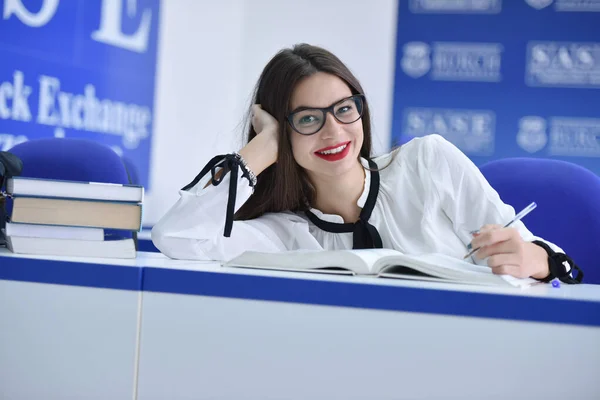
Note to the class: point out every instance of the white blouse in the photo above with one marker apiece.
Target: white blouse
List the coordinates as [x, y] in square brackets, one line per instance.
[430, 197]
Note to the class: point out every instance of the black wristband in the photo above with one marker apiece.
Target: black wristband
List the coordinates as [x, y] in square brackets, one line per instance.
[557, 267]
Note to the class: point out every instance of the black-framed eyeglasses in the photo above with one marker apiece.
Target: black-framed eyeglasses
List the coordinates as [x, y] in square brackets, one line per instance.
[308, 121]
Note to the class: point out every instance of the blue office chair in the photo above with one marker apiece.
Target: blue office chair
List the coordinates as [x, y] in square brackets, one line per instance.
[74, 160]
[568, 199]
[70, 159]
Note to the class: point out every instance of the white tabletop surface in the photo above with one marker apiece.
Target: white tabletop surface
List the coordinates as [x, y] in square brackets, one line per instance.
[158, 260]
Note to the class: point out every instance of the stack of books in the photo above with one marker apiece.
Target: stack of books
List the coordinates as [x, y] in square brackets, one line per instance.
[68, 218]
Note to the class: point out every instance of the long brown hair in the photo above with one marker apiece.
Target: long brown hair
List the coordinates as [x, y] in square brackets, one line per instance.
[285, 186]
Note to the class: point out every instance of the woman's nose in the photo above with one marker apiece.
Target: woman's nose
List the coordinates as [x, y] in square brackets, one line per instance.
[331, 128]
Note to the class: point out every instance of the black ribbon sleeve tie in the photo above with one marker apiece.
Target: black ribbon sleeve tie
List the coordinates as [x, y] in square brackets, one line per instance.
[227, 163]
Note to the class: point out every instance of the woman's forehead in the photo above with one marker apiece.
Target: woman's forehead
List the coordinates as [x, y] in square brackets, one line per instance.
[319, 90]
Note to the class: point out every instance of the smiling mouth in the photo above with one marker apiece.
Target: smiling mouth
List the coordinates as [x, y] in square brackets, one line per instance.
[334, 150]
[334, 153]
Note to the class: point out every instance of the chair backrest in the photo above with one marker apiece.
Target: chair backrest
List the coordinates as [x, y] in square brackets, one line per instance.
[568, 199]
[72, 159]
[132, 172]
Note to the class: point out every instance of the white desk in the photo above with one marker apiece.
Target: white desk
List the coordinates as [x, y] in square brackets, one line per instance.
[69, 327]
[208, 332]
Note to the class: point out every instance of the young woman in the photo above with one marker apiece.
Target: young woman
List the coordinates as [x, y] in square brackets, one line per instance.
[306, 179]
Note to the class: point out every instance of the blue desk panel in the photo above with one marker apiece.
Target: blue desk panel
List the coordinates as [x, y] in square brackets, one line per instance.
[374, 296]
[71, 273]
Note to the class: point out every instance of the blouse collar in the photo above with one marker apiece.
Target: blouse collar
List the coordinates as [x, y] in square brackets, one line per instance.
[365, 235]
[337, 219]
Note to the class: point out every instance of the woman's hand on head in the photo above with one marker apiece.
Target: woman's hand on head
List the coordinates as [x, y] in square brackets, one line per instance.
[261, 151]
[263, 122]
[509, 254]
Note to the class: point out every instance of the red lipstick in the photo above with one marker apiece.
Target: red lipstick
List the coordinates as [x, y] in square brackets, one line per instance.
[334, 156]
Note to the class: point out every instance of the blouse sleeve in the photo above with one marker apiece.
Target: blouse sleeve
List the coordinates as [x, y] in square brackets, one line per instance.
[196, 226]
[466, 197]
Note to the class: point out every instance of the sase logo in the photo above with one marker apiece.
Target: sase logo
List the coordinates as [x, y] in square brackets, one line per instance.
[472, 131]
[567, 64]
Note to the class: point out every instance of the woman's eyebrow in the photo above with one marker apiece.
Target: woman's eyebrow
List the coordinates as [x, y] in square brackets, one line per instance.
[300, 108]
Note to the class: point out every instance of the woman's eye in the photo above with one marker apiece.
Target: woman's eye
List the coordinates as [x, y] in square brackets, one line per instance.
[307, 119]
[344, 109]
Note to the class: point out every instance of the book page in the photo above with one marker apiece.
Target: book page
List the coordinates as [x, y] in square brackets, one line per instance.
[324, 270]
[445, 261]
[299, 260]
[448, 268]
[455, 263]
[371, 257]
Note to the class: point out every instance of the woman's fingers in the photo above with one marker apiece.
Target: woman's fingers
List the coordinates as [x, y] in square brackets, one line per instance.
[509, 269]
[489, 237]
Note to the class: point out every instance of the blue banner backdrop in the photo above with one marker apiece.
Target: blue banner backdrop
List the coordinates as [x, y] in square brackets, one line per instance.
[80, 68]
[513, 78]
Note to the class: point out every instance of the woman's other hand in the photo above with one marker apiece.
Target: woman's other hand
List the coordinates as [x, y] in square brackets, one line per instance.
[509, 254]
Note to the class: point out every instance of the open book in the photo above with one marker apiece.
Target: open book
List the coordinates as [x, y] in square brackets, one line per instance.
[382, 263]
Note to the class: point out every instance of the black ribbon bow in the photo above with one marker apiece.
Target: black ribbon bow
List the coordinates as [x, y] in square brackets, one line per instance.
[558, 268]
[364, 235]
[228, 163]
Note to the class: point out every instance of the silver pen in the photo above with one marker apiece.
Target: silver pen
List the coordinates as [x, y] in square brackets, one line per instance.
[517, 217]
